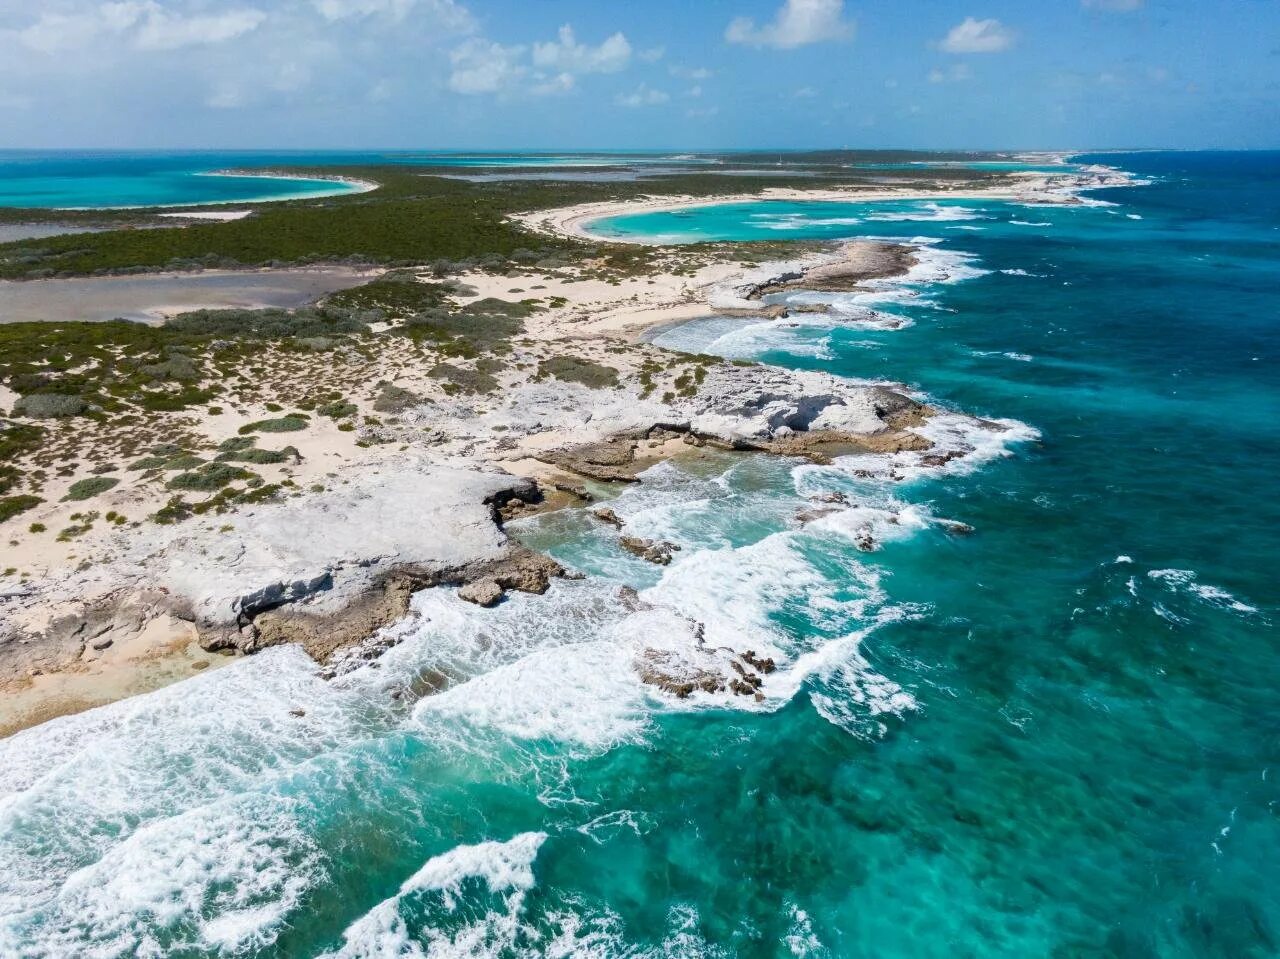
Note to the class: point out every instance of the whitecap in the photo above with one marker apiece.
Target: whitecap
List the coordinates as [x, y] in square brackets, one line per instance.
[1184, 580]
[505, 868]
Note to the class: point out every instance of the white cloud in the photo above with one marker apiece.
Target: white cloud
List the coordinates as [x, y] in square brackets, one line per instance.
[797, 23]
[145, 24]
[560, 83]
[689, 73]
[1119, 6]
[700, 112]
[447, 13]
[978, 36]
[482, 66]
[653, 54]
[642, 96]
[160, 31]
[956, 74]
[566, 54]
[805, 93]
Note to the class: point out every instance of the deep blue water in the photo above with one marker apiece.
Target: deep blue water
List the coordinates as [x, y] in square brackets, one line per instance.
[1056, 736]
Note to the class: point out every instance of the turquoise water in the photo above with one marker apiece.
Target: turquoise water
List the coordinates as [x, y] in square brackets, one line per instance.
[1055, 737]
[98, 180]
[90, 180]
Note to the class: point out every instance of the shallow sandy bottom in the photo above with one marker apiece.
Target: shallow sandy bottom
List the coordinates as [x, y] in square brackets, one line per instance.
[151, 298]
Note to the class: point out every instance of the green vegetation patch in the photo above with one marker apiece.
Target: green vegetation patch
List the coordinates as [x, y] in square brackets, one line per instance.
[89, 487]
[395, 295]
[289, 454]
[284, 424]
[574, 369]
[396, 399]
[210, 477]
[11, 506]
[463, 380]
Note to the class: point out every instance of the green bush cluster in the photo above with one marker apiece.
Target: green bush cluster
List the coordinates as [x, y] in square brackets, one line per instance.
[89, 487]
[575, 369]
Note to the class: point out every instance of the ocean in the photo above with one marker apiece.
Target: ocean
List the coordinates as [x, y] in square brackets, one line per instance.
[1054, 735]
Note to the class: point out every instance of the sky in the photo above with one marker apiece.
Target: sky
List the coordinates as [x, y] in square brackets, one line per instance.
[635, 74]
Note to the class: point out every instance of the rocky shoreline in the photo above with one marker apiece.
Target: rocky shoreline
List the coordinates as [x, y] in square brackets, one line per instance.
[328, 570]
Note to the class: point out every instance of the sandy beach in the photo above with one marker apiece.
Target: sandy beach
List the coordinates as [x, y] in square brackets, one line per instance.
[575, 221]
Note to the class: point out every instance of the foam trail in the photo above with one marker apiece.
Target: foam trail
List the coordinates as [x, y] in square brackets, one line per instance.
[505, 869]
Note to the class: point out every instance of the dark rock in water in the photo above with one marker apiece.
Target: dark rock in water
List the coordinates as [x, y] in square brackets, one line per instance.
[484, 592]
[299, 712]
[830, 497]
[806, 516]
[606, 515]
[765, 666]
[675, 675]
[654, 551]
[865, 542]
[956, 528]
[941, 459]
[629, 598]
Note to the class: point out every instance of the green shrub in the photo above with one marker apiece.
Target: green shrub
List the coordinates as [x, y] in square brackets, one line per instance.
[469, 381]
[339, 409]
[285, 424]
[396, 399]
[11, 506]
[574, 369]
[45, 406]
[288, 454]
[89, 487]
[210, 477]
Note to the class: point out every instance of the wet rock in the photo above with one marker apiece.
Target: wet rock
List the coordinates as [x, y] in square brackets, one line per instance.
[834, 497]
[765, 666]
[674, 674]
[577, 492]
[956, 528]
[299, 712]
[484, 592]
[654, 551]
[865, 542]
[606, 515]
[941, 459]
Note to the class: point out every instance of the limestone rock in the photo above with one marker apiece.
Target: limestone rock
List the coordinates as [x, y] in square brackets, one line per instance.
[484, 592]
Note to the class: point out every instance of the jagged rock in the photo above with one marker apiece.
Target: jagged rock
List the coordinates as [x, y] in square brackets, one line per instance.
[606, 515]
[865, 542]
[673, 674]
[655, 551]
[940, 459]
[834, 497]
[955, 527]
[483, 592]
[577, 492]
[765, 666]
[612, 461]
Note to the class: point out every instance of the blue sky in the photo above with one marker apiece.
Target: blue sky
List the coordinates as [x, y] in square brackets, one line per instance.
[641, 73]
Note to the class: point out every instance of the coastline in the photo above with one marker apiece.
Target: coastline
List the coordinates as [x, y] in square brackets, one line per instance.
[539, 444]
[351, 185]
[1036, 188]
[129, 610]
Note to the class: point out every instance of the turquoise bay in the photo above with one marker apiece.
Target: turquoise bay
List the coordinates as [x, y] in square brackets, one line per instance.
[1055, 736]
